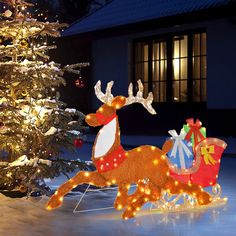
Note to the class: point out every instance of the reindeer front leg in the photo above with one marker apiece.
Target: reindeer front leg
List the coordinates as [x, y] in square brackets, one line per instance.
[122, 196]
[83, 177]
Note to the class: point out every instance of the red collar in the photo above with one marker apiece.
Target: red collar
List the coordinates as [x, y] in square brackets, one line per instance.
[103, 120]
[110, 161]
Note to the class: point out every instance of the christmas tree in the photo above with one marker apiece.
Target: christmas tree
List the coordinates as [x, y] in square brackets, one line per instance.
[34, 124]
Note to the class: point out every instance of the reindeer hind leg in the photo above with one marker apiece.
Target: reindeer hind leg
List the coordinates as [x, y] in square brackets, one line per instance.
[145, 193]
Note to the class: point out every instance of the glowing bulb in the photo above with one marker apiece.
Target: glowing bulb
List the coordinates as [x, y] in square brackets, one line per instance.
[86, 174]
[155, 162]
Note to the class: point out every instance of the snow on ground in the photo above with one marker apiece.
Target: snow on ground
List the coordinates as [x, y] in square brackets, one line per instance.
[28, 217]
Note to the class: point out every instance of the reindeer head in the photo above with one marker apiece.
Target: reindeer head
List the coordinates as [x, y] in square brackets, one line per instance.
[110, 103]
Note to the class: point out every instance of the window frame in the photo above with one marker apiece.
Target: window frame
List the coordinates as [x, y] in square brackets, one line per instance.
[168, 38]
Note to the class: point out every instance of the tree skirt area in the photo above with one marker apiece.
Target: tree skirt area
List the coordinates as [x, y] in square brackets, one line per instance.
[23, 217]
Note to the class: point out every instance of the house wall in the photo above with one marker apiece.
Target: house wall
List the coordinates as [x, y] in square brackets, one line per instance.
[112, 61]
[221, 77]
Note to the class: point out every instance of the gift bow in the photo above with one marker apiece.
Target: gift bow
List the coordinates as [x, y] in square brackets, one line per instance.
[206, 152]
[195, 130]
[180, 146]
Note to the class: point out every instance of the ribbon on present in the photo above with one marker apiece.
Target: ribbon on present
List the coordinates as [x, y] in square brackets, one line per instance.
[194, 130]
[179, 146]
[206, 152]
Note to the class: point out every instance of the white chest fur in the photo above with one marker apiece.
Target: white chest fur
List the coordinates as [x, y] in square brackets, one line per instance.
[105, 139]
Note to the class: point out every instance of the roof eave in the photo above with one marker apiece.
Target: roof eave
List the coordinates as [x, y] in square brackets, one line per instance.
[191, 17]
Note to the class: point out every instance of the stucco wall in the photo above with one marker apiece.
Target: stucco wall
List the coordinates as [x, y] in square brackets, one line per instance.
[221, 75]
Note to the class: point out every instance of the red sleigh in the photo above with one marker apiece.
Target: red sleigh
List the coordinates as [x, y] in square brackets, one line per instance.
[203, 172]
[206, 165]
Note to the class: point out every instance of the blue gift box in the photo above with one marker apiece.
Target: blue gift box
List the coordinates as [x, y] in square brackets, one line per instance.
[181, 155]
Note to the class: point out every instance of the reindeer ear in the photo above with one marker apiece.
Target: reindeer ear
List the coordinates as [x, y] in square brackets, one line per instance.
[118, 102]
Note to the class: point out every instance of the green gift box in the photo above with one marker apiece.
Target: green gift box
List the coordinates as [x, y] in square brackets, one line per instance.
[194, 132]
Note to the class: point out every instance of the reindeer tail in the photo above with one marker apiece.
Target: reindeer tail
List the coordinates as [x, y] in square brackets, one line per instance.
[175, 187]
[167, 146]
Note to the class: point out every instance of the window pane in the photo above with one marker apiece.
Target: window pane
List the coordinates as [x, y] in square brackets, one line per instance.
[155, 51]
[183, 91]
[176, 91]
[203, 67]
[176, 49]
[141, 52]
[163, 70]
[145, 89]
[203, 44]
[176, 66]
[155, 90]
[196, 44]
[145, 55]
[141, 71]
[184, 68]
[196, 67]
[196, 91]
[145, 73]
[184, 46]
[155, 71]
[163, 50]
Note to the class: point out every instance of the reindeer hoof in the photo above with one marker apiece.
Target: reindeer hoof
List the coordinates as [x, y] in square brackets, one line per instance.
[204, 198]
[128, 214]
[54, 202]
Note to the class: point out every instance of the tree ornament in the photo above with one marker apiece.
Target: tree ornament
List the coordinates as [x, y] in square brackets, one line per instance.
[7, 13]
[3, 128]
[78, 142]
[79, 83]
[23, 189]
[24, 43]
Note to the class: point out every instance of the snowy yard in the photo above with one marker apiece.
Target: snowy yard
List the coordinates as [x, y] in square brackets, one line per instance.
[26, 217]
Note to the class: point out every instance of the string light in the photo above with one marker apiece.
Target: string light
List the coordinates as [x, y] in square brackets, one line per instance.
[152, 178]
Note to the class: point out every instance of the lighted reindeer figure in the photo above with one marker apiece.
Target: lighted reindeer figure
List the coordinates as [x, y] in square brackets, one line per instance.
[145, 166]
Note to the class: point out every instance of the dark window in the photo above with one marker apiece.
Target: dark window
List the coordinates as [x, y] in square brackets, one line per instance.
[173, 67]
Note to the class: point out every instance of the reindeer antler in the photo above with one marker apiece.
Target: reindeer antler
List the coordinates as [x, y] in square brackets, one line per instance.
[147, 103]
[107, 97]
